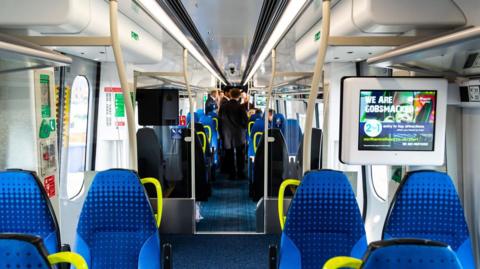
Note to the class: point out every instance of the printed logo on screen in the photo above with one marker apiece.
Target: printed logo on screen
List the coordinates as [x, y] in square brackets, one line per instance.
[372, 128]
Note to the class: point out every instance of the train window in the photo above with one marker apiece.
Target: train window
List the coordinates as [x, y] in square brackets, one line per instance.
[380, 180]
[77, 135]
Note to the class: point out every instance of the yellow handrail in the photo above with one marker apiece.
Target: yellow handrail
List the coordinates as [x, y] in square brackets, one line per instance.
[158, 188]
[343, 262]
[216, 123]
[281, 194]
[209, 133]
[250, 125]
[255, 141]
[204, 144]
[68, 257]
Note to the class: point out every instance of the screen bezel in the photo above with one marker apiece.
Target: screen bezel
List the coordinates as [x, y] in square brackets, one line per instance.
[397, 90]
[349, 121]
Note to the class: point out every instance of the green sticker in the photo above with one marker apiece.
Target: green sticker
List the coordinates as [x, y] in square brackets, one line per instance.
[45, 129]
[317, 36]
[134, 36]
[45, 96]
[119, 105]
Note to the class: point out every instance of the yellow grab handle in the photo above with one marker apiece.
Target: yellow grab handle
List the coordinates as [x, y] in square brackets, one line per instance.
[343, 262]
[250, 125]
[158, 188]
[209, 133]
[68, 257]
[255, 141]
[216, 123]
[204, 138]
[281, 194]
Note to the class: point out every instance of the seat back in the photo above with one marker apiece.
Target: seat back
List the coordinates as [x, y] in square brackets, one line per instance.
[426, 206]
[254, 140]
[410, 254]
[277, 165]
[211, 130]
[316, 153]
[278, 121]
[23, 251]
[195, 116]
[26, 209]
[117, 228]
[150, 158]
[293, 136]
[323, 221]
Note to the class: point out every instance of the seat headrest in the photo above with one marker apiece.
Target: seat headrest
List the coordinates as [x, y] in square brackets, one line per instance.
[410, 253]
[23, 197]
[22, 251]
[426, 205]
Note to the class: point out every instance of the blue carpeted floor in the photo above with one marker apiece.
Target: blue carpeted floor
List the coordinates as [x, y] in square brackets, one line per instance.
[220, 251]
[228, 209]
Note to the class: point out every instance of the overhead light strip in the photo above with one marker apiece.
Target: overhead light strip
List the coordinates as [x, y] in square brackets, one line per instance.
[291, 12]
[161, 17]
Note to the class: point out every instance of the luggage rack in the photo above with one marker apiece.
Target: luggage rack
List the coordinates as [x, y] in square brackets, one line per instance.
[18, 55]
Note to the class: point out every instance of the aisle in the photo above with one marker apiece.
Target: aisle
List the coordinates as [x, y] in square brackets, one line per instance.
[229, 209]
[220, 251]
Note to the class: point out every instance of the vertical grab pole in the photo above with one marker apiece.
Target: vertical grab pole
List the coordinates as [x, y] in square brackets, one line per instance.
[317, 75]
[192, 120]
[265, 134]
[117, 52]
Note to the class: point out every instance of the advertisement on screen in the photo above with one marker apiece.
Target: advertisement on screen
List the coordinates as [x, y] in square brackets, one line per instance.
[397, 120]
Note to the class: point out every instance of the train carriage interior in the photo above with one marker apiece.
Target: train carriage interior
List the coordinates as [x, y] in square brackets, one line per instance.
[290, 134]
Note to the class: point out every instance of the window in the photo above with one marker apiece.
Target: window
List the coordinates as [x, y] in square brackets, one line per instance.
[77, 135]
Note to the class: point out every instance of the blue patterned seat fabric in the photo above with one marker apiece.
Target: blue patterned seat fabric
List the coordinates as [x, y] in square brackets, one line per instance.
[323, 221]
[427, 206]
[22, 252]
[410, 254]
[26, 209]
[117, 229]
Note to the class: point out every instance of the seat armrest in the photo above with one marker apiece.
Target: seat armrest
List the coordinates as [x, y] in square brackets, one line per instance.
[68, 257]
[273, 257]
[167, 260]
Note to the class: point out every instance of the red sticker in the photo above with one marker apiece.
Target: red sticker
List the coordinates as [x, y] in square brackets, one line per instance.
[183, 121]
[113, 89]
[49, 183]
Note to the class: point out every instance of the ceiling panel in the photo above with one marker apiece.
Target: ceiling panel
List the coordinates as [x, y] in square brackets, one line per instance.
[227, 27]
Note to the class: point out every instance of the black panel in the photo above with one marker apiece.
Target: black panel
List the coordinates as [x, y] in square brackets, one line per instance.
[157, 106]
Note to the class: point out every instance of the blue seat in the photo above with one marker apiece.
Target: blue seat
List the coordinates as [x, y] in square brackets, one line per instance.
[401, 253]
[293, 136]
[26, 209]
[117, 228]
[27, 251]
[212, 134]
[278, 121]
[427, 206]
[196, 116]
[258, 127]
[323, 221]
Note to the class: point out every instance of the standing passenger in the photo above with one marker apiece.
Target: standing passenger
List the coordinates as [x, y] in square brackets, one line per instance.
[234, 126]
[211, 105]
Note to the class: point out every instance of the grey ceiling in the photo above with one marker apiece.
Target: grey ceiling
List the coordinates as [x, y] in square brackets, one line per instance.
[227, 27]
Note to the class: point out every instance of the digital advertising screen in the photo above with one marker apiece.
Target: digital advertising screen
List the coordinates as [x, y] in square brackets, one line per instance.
[397, 120]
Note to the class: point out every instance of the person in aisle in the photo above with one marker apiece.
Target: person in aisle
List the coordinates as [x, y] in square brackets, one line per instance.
[225, 98]
[234, 121]
[247, 105]
[211, 105]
